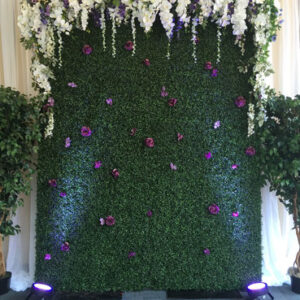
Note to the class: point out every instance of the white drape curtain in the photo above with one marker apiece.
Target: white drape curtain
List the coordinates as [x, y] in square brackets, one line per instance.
[279, 241]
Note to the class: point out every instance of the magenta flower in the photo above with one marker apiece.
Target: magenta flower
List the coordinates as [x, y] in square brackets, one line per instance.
[87, 49]
[240, 101]
[115, 173]
[129, 46]
[67, 142]
[163, 92]
[110, 221]
[62, 194]
[50, 102]
[98, 164]
[214, 209]
[149, 213]
[206, 251]
[65, 247]
[86, 131]
[234, 166]
[250, 151]
[47, 256]
[133, 131]
[52, 182]
[149, 142]
[214, 72]
[208, 65]
[208, 155]
[102, 221]
[217, 124]
[173, 167]
[131, 254]
[109, 101]
[235, 214]
[179, 136]
[172, 102]
[146, 62]
[72, 84]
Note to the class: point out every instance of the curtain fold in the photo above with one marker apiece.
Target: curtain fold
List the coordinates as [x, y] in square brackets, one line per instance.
[279, 240]
[15, 72]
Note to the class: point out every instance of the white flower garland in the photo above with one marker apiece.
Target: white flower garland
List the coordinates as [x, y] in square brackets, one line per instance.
[103, 28]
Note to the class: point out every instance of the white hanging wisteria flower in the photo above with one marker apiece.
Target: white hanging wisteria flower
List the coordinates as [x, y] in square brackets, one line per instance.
[41, 75]
[238, 18]
[50, 126]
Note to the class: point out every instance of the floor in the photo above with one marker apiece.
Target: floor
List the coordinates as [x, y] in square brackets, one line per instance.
[280, 293]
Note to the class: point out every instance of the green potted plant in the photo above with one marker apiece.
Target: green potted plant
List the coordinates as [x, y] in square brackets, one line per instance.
[19, 134]
[280, 161]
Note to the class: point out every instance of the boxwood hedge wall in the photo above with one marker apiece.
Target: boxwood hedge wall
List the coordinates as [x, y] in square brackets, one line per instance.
[169, 245]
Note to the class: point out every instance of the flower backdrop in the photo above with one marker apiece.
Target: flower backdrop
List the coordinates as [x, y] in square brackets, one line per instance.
[43, 22]
[148, 179]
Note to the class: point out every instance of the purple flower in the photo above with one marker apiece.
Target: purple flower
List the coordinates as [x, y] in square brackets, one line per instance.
[66, 3]
[65, 247]
[109, 101]
[87, 49]
[172, 102]
[208, 65]
[173, 167]
[274, 38]
[67, 142]
[149, 142]
[234, 166]
[250, 151]
[179, 136]
[214, 209]
[86, 131]
[217, 124]
[214, 72]
[196, 40]
[129, 46]
[62, 194]
[146, 62]
[50, 102]
[240, 101]
[163, 92]
[149, 213]
[115, 173]
[52, 182]
[206, 251]
[208, 155]
[110, 221]
[47, 256]
[102, 221]
[98, 164]
[133, 131]
[72, 84]
[131, 254]
[235, 214]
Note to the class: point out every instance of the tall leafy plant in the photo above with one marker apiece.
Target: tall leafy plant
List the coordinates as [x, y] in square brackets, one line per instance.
[280, 156]
[19, 134]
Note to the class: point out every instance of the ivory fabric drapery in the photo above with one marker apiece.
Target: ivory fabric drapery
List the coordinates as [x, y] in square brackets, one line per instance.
[279, 241]
[15, 72]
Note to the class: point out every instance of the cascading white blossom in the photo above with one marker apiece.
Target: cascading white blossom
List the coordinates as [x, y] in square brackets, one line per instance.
[239, 16]
[181, 10]
[41, 75]
[166, 17]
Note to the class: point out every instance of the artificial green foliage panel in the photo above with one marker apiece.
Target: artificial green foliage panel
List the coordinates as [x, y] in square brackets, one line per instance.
[169, 245]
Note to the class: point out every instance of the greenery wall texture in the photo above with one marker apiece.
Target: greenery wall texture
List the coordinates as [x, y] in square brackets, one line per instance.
[170, 244]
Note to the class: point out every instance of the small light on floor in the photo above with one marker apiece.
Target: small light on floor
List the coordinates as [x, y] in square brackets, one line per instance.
[257, 289]
[41, 290]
